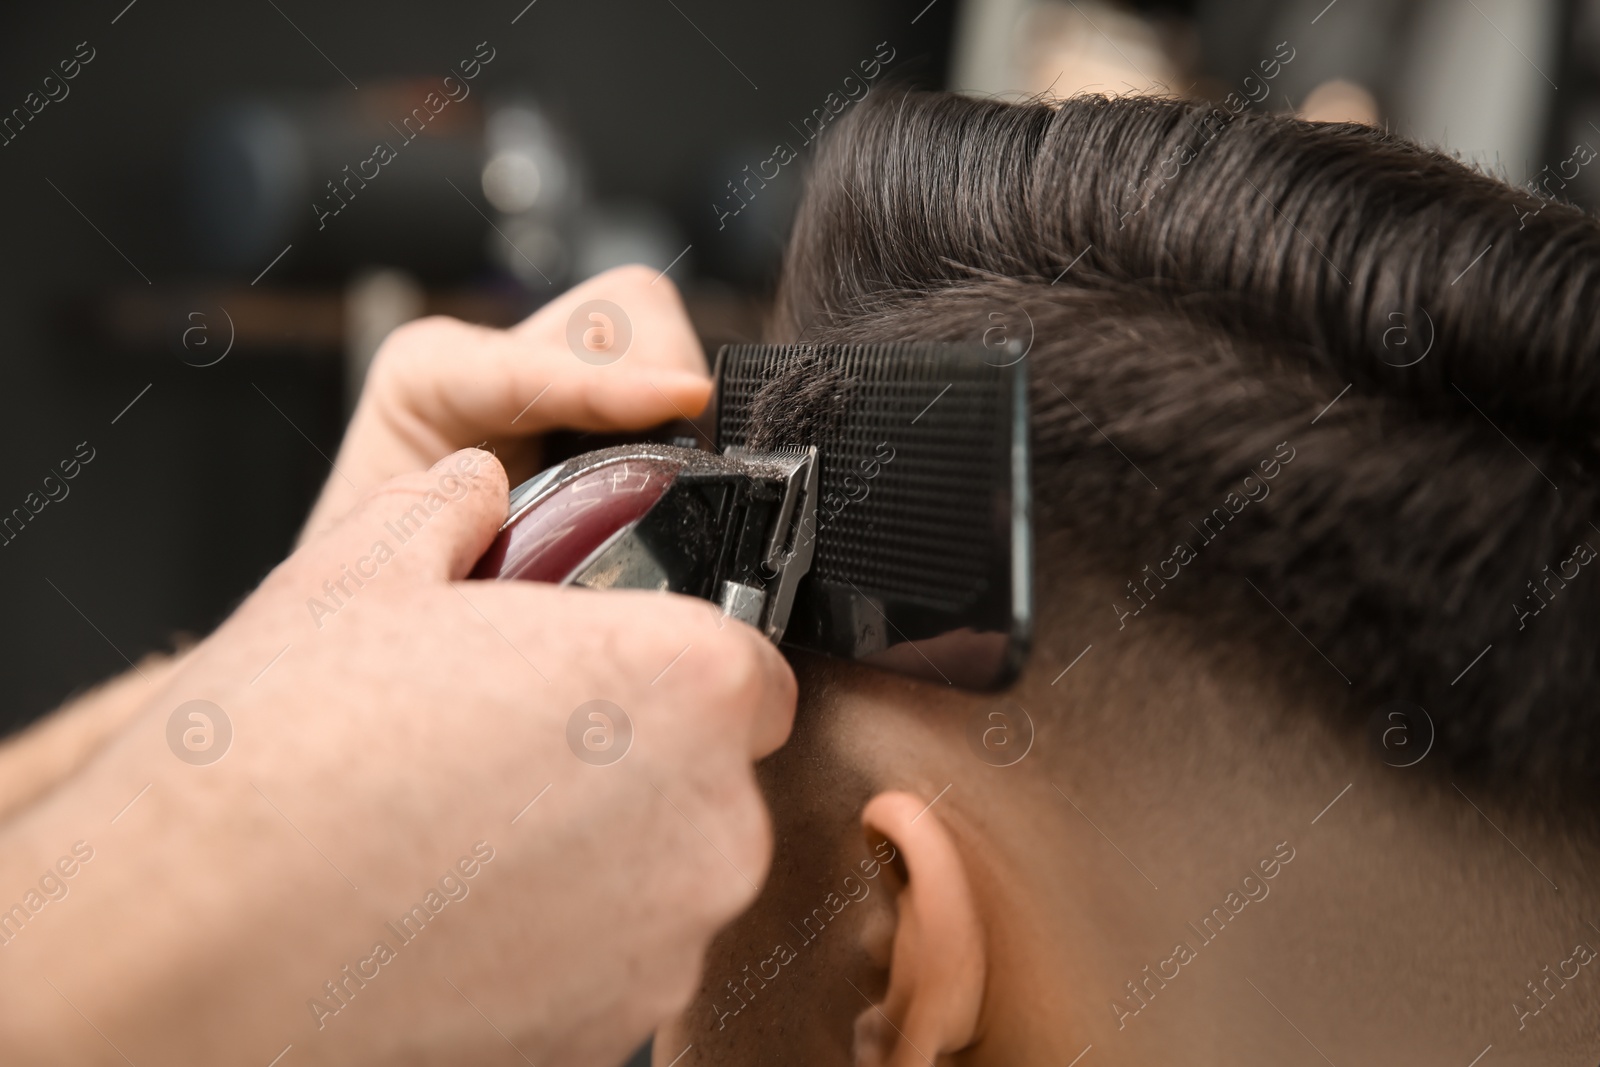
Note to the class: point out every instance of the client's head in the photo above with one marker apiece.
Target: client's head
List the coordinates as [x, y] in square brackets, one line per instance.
[1301, 768]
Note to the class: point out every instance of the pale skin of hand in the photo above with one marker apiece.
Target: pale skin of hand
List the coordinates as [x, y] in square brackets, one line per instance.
[436, 385]
[373, 756]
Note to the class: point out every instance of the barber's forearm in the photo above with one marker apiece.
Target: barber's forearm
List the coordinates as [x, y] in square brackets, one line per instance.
[50, 751]
[153, 904]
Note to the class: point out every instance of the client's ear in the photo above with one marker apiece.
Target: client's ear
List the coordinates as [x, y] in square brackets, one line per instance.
[934, 948]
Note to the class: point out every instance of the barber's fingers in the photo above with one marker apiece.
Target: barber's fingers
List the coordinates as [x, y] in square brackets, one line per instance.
[662, 337]
[769, 683]
[429, 525]
[707, 676]
[630, 362]
[1338, 100]
[455, 382]
[696, 661]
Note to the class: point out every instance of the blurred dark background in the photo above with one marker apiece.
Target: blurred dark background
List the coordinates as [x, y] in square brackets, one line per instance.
[161, 206]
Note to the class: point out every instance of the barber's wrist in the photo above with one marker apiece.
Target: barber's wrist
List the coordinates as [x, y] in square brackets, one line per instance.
[44, 955]
[50, 751]
[137, 939]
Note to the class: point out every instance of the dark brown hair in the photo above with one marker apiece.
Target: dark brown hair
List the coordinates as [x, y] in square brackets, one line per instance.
[1196, 289]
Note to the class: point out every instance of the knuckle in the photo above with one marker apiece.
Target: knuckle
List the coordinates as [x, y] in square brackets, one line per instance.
[411, 340]
[405, 489]
[739, 668]
[422, 331]
[630, 276]
[451, 478]
[405, 496]
[589, 405]
[716, 670]
[480, 468]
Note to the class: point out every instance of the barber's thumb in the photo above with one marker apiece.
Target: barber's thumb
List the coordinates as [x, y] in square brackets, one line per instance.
[432, 524]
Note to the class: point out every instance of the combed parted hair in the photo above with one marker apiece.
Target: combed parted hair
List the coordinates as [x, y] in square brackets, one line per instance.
[1409, 346]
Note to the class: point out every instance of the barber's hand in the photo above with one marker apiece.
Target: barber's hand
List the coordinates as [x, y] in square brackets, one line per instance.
[410, 852]
[438, 384]
[435, 386]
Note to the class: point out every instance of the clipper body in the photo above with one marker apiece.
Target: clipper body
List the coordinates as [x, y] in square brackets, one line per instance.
[722, 527]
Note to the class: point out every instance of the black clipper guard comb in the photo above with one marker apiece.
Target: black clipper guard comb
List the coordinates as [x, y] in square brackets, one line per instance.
[877, 511]
[923, 559]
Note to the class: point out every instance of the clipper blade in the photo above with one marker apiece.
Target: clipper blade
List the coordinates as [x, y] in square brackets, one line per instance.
[923, 554]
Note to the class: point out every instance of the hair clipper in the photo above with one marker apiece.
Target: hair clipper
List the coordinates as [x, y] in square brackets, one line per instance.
[882, 515]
